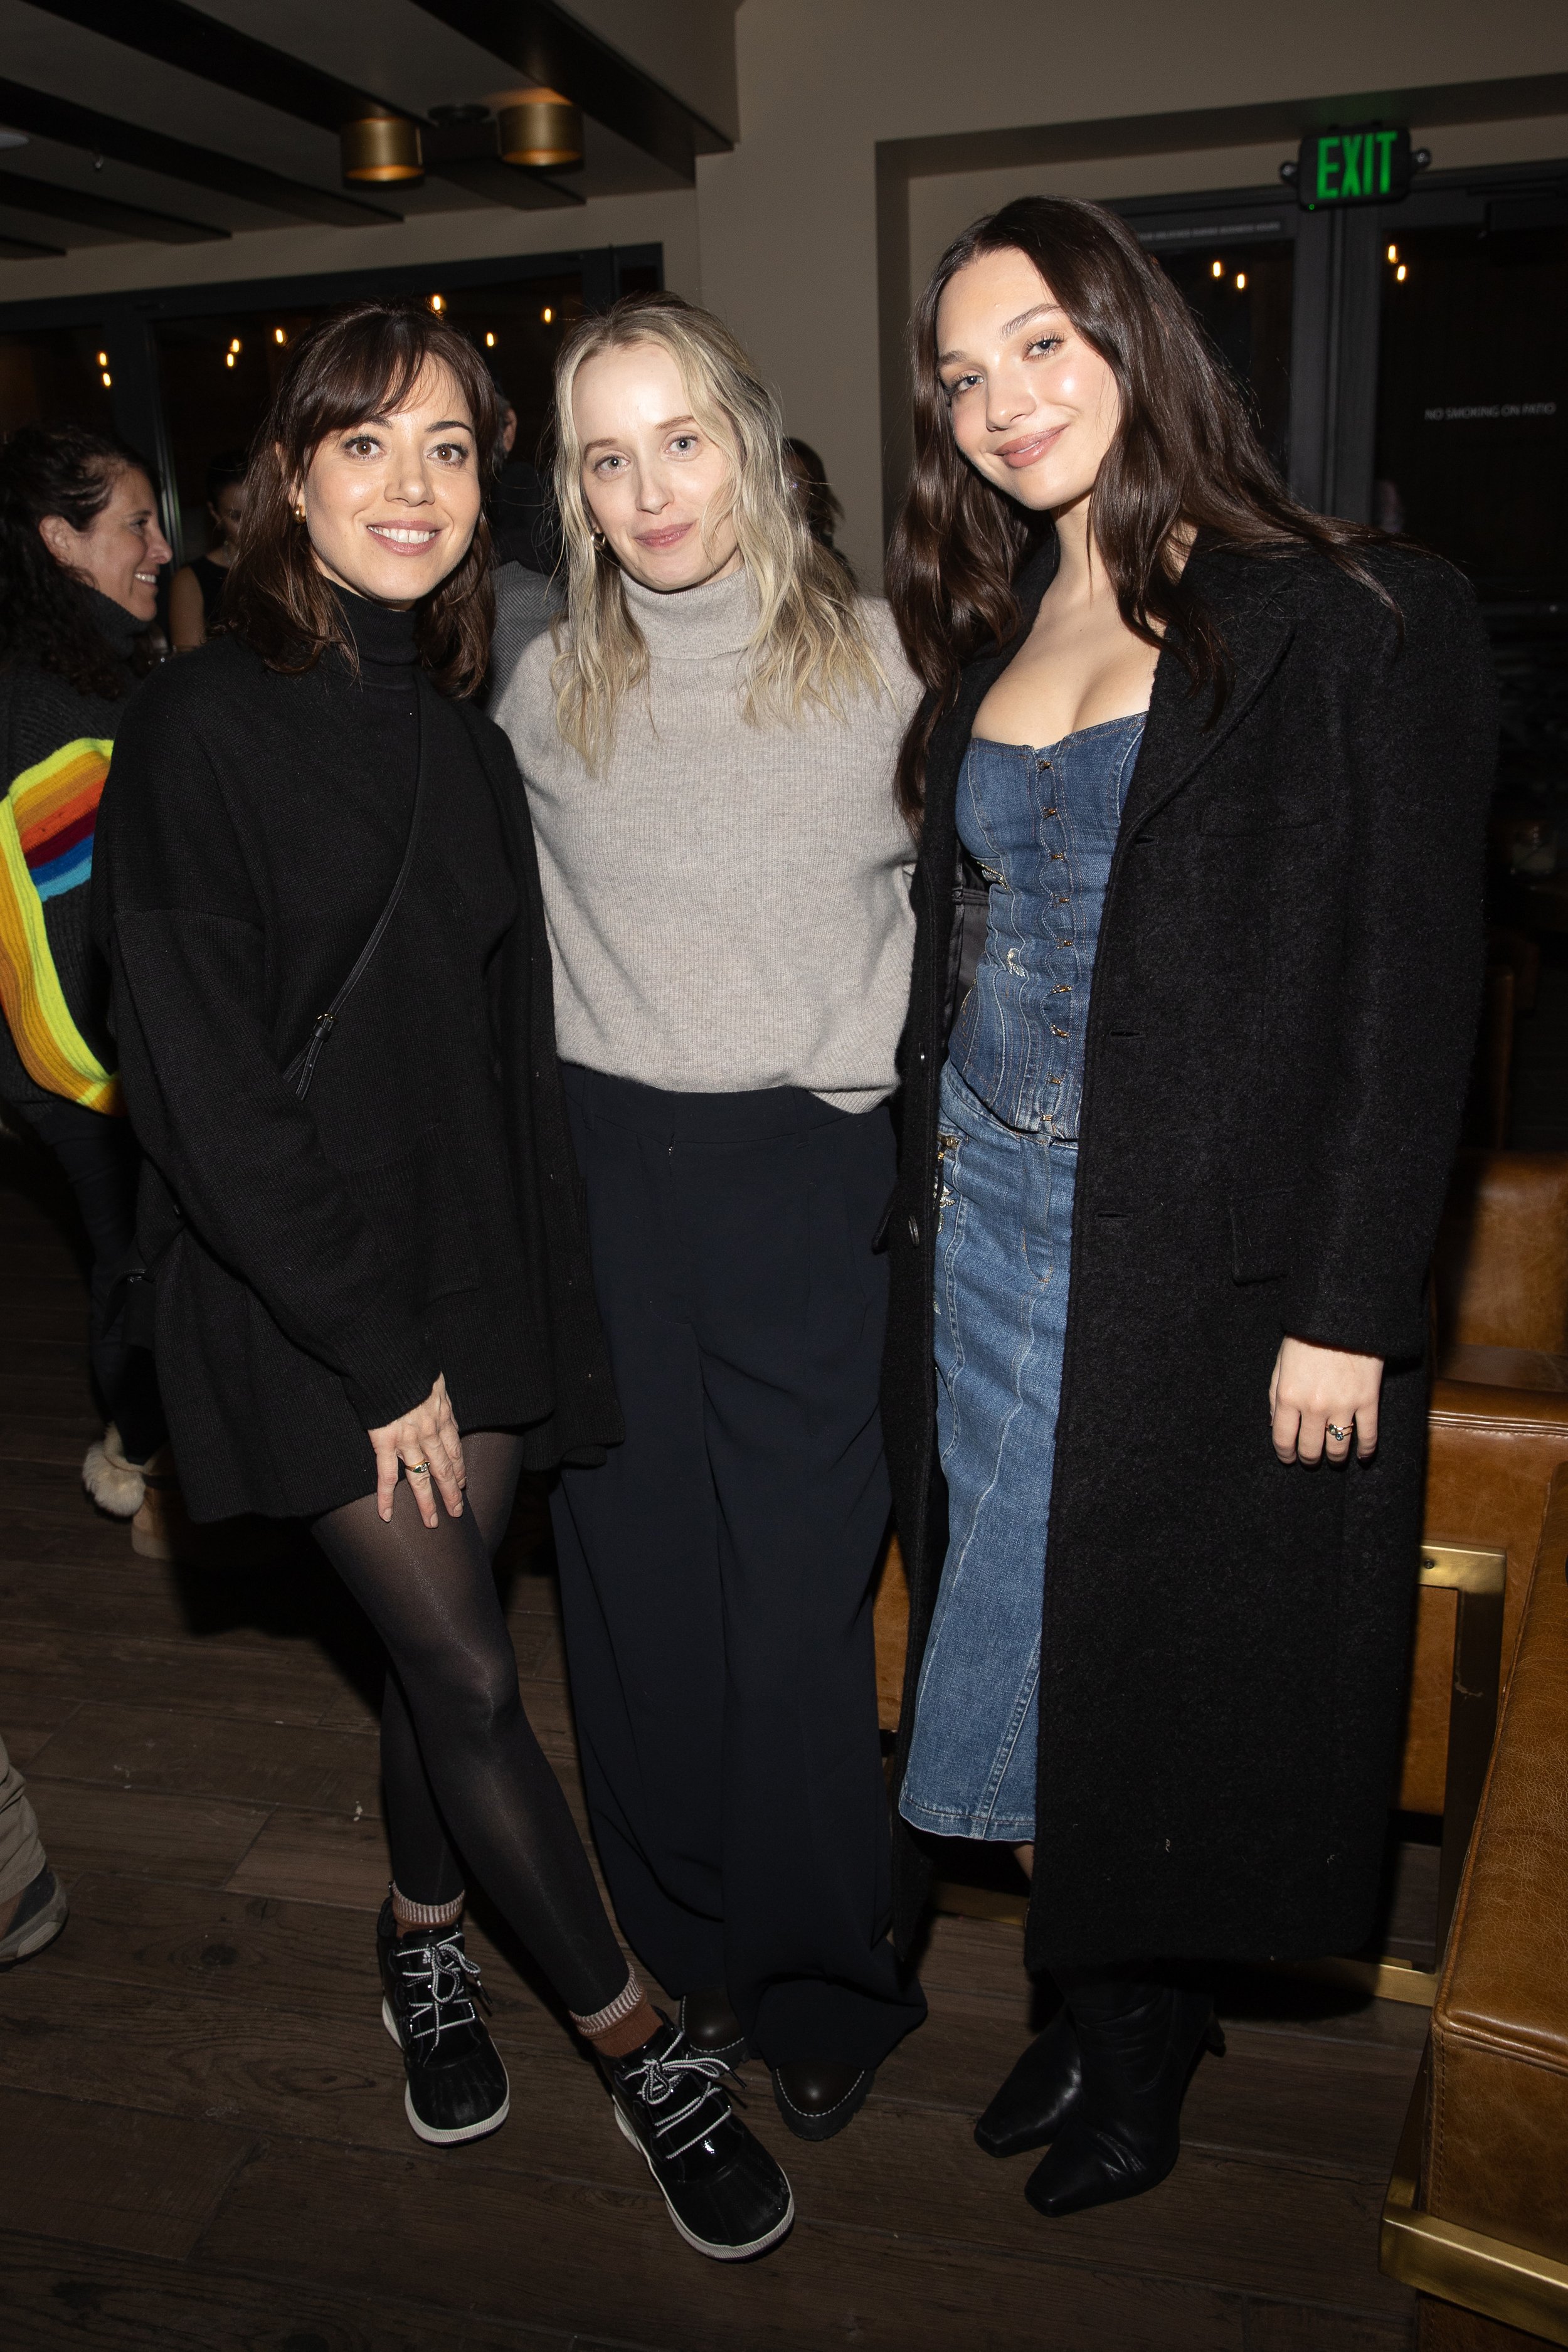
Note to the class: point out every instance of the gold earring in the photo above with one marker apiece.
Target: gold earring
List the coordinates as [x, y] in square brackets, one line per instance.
[300, 510]
[600, 542]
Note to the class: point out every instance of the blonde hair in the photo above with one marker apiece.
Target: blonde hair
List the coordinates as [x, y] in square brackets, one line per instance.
[810, 644]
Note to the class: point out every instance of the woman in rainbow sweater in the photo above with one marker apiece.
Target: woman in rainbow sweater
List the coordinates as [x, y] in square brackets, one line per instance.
[80, 551]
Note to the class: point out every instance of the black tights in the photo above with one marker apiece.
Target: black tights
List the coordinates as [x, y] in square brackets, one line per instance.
[455, 1746]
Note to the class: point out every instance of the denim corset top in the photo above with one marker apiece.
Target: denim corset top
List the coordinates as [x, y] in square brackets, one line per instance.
[1041, 825]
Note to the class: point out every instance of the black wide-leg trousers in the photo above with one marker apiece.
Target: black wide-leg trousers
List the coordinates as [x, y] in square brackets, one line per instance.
[716, 1570]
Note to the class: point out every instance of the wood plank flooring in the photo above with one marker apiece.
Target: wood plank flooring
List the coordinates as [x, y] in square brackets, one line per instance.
[202, 2139]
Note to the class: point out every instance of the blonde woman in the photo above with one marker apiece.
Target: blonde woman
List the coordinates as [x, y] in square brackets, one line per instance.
[709, 737]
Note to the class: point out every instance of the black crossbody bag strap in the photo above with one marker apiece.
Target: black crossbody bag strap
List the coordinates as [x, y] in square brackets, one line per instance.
[302, 1069]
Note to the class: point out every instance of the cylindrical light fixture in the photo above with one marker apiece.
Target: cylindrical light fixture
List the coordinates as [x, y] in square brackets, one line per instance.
[382, 147]
[541, 129]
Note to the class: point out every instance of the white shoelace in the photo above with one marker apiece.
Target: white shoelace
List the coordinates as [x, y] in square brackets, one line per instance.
[446, 1977]
[657, 2080]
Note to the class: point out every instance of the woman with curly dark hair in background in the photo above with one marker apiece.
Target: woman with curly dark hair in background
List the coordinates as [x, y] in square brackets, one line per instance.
[80, 551]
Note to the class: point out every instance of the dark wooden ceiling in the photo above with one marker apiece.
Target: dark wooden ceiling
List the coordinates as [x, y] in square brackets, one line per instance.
[154, 119]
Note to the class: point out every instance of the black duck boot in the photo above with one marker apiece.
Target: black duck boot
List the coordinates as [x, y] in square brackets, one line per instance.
[1139, 2043]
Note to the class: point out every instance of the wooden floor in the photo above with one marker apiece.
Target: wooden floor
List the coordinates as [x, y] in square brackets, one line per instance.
[202, 2138]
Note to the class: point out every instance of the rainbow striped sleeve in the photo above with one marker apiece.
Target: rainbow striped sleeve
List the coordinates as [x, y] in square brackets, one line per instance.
[46, 823]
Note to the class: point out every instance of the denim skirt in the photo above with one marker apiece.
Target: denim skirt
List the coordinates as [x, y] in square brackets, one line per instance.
[1004, 1246]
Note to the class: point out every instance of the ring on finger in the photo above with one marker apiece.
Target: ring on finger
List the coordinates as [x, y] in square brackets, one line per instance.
[1340, 1436]
[417, 1469]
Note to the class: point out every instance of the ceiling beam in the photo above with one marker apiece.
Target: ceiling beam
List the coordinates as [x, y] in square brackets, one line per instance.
[46, 117]
[543, 44]
[178, 34]
[25, 194]
[23, 248]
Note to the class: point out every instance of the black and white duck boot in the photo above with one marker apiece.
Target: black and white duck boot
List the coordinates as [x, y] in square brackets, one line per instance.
[726, 2196]
[457, 2084]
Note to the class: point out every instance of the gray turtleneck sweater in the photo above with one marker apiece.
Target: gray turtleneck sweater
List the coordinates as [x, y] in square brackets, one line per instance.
[729, 904]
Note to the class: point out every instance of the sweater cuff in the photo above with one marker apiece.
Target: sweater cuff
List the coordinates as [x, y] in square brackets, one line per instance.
[392, 1367]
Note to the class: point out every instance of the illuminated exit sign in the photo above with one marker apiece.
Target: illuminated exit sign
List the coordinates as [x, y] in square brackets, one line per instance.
[1367, 165]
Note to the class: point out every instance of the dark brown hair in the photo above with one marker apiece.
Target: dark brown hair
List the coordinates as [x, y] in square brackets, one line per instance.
[1186, 453]
[361, 361]
[45, 611]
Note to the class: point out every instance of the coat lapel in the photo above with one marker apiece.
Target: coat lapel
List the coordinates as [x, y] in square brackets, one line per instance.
[1249, 606]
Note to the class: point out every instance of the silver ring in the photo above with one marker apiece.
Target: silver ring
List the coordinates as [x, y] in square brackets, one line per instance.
[1339, 1435]
[417, 1469]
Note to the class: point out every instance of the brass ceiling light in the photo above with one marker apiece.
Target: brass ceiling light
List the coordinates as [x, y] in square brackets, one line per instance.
[382, 147]
[541, 129]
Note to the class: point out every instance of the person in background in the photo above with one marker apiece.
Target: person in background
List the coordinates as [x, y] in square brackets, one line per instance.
[81, 551]
[1203, 780]
[823, 509]
[33, 1906]
[522, 525]
[373, 1297]
[196, 592]
[709, 739]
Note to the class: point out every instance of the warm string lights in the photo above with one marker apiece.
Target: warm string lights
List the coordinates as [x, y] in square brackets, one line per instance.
[103, 369]
[1400, 269]
[1216, 269]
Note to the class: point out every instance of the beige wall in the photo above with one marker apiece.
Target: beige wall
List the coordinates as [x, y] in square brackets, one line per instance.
[788, 220]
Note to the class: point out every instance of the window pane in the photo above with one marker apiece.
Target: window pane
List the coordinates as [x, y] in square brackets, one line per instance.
[55, 374]
[218, 372]
[1241, 293]
[1472, 426]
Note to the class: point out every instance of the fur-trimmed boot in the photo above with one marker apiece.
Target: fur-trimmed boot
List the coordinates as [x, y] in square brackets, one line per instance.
[117, 1485]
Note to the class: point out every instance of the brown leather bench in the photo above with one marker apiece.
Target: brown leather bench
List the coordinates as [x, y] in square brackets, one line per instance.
[1478, 2211]
[1499, 1423]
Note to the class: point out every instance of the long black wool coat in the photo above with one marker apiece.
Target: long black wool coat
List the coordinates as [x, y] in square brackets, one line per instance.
[319, 1259]
[1284, 1004]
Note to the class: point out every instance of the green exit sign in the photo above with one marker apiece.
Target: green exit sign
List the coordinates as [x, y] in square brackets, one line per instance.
[1367, 165]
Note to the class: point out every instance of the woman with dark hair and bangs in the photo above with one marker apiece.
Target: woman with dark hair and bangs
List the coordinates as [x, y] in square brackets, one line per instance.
[331, 998]
[1155, 1388]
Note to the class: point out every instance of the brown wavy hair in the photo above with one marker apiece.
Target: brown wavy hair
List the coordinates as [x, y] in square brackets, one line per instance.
[361, 361]
[1186, 456]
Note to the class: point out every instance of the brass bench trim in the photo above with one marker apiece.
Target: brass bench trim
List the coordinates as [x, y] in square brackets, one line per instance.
[1502, 2282]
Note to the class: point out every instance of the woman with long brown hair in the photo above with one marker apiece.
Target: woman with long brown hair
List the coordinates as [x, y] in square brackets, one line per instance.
[332, 994]
[1165, 1243]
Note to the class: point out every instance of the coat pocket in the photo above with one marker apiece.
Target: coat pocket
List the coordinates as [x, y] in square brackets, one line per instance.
[1262, 1230]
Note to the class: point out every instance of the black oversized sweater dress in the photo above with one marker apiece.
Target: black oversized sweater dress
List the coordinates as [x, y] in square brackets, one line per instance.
[319, 1262]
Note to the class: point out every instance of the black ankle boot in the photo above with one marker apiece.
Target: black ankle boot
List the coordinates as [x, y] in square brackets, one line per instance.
[1140, 2045]
[1038, 2095]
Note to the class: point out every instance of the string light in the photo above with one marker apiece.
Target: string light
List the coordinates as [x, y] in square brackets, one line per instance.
[437, 302]
[103, 359]
[236, 344]
[228, 359]
[279, 336]
[547, 314]
[1216, 269]
[1402, 273]
[107, 377]
[1241, 281]
[1394, 252]
[490, 343]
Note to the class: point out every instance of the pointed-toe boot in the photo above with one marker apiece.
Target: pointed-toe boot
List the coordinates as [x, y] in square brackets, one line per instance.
[1037, 2096]
[1140, 2045]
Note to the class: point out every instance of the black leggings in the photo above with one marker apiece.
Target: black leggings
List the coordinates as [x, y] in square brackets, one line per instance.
[456, 1747]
